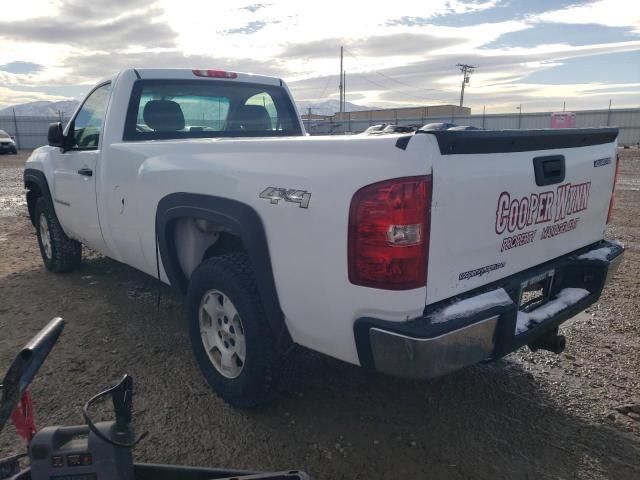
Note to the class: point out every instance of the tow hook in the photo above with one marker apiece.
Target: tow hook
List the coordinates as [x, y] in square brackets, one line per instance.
[550, 341]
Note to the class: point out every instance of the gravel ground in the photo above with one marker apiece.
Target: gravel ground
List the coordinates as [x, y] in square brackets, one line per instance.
[574, 415]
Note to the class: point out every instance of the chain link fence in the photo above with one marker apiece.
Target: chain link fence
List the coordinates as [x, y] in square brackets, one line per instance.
[626, 119]
[31, 132]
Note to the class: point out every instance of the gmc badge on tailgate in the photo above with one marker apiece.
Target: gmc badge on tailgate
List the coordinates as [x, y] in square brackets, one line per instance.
[275, 194]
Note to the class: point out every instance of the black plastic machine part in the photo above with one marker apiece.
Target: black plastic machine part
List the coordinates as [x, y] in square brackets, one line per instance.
[25, 366]
[121, 396]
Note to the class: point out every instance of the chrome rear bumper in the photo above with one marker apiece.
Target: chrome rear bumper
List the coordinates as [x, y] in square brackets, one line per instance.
[410, 357]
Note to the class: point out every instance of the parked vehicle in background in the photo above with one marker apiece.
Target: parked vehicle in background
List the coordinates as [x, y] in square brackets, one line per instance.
[374, 129]
[414, 255]
[463, 128]
[437, 127]
[7, 143]
[398, 129]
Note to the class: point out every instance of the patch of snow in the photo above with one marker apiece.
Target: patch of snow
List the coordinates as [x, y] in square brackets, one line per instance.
[616, 242]
[565, 298]
[600, 254]
[472, 305]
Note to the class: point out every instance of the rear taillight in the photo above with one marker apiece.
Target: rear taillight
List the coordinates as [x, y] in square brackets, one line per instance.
[214, 74]
[613, 189]
[389, 234]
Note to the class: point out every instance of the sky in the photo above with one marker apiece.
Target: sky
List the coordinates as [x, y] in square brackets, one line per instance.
[537, 54]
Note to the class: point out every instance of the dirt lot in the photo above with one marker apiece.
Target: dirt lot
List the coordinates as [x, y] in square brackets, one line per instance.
[527, 416]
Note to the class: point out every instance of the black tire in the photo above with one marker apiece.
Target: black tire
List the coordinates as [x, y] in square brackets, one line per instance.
[65, 253]
[232, 275]
[15, 151]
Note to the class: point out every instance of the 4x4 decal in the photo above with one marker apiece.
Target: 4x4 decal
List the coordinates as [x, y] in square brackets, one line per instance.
[275, 194]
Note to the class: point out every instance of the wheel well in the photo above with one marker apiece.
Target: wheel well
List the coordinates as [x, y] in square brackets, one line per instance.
[196, 240]
[33, 194]
[236, 226]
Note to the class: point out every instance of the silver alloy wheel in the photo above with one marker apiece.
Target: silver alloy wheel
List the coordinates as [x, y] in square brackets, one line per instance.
[222, 333]
[45, 236]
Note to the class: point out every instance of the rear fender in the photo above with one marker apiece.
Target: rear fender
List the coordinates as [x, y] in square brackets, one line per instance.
[238, 219]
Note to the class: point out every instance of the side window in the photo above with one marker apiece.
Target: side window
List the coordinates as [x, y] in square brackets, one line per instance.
[87, 124]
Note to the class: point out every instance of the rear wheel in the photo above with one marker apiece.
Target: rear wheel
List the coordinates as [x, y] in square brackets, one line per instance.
[230, 336]
[59, 252]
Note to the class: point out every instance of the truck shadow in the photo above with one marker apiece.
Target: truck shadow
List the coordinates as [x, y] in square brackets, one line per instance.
[333, 420]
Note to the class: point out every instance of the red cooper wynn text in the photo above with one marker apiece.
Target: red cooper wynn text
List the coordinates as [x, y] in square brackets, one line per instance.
[539, 208]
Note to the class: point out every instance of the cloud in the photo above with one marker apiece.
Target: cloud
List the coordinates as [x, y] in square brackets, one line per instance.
[397, 44]
[251, 27]
[402, 53]
[612, 13]
[452, 8]
[21, 67]
[435, 79]
[91, 26]
[255, 7]
[98, 65]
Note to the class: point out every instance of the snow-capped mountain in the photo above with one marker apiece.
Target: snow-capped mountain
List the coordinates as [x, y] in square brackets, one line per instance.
[42, 108]
[327, 107]
[67, 107]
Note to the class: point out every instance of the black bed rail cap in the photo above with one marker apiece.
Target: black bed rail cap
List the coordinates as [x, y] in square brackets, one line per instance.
[453, 142]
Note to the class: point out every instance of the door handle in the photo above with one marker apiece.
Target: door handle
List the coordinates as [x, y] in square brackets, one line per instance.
[549, 170]
[86, 171]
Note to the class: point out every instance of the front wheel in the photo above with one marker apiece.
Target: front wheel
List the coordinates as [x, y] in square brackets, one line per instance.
[59, 252]
[229, 332]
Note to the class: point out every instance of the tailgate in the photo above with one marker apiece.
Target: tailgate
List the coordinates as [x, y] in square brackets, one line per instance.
[493, 215]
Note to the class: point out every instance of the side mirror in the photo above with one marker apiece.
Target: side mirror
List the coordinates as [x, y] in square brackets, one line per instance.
[55, 136]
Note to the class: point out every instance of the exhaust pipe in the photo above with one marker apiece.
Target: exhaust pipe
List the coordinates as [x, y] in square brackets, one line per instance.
[550, 341]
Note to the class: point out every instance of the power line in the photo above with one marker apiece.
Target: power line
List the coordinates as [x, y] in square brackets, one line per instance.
[388, 77]
[386, 87]
[326, 85]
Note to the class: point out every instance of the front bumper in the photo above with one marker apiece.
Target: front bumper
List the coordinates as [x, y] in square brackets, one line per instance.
[428, 347]
[7, 147]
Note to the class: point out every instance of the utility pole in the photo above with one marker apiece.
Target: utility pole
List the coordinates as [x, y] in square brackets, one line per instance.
[466, 70]
[609, 114]
[341, 77]
[564, 105]
[15, 126]
[519, 108]
[344, 91]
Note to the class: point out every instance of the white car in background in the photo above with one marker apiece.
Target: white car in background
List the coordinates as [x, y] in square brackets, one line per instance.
[7, 143]
[374, 129]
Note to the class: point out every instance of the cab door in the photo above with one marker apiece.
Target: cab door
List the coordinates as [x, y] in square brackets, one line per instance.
[75, 170]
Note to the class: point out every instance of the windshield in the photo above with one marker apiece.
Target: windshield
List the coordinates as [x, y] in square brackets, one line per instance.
[4, 134]
[164, 109]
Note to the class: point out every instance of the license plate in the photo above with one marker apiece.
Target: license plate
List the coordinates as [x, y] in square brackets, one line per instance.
[535, 291]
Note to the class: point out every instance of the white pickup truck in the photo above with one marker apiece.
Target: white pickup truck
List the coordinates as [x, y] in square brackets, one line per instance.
[414, 255]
